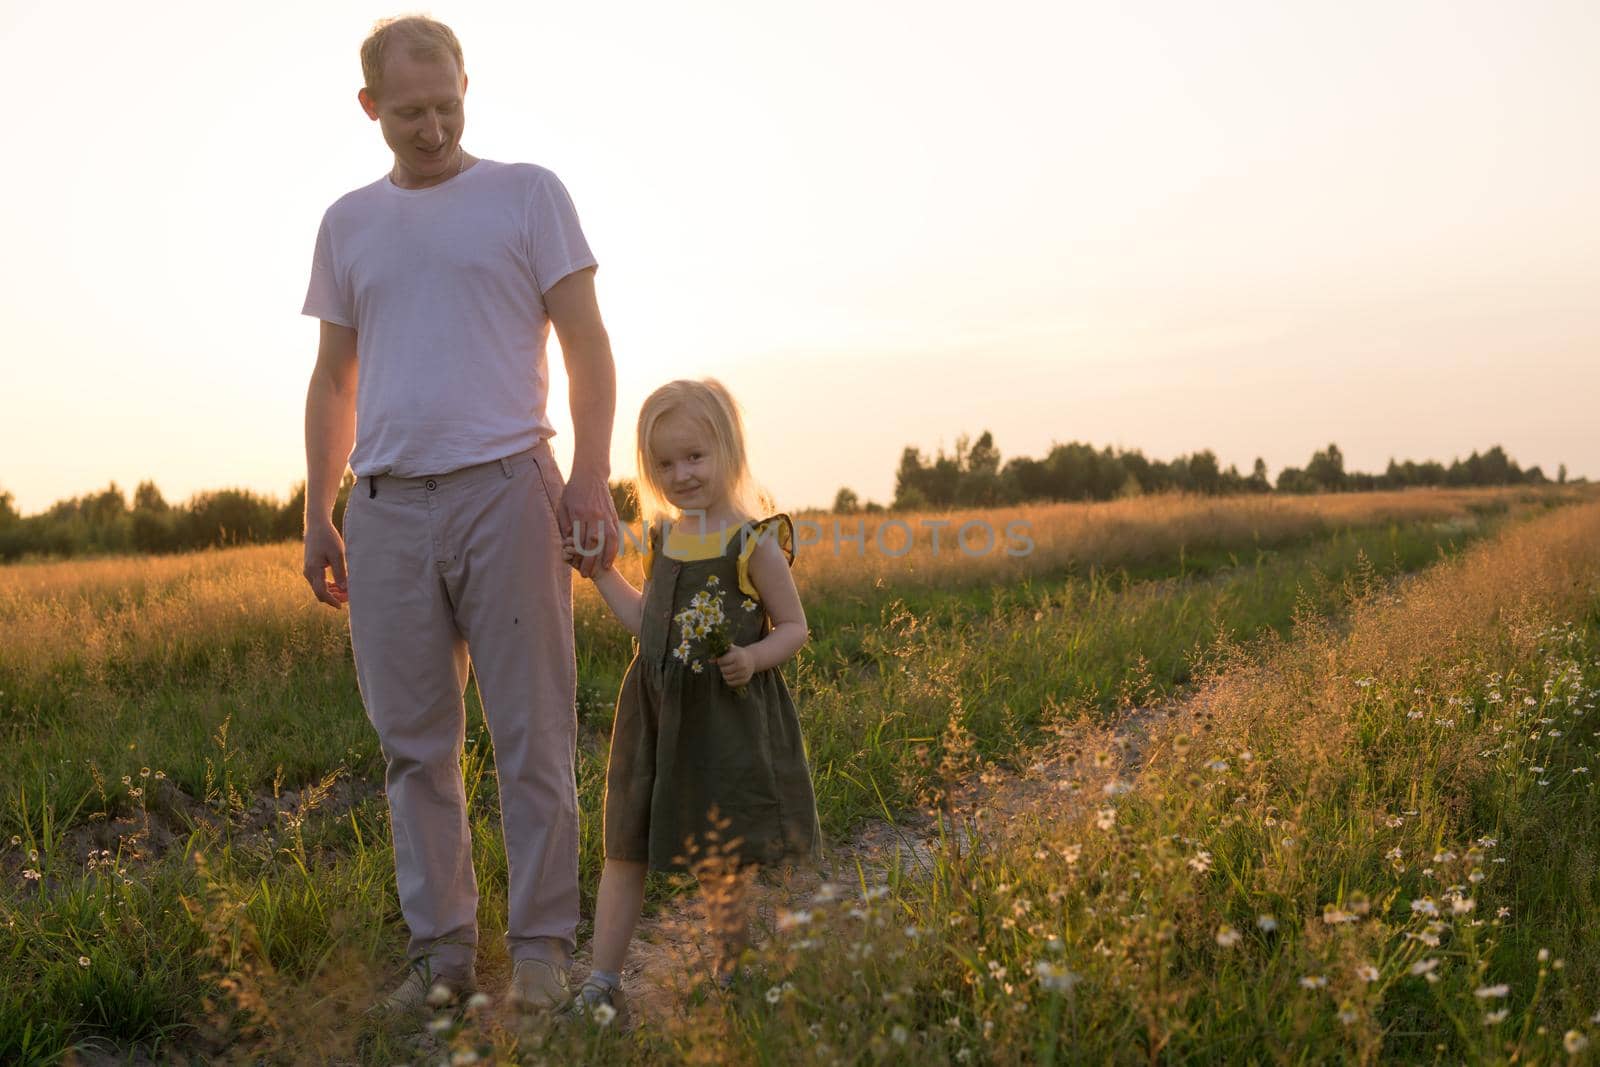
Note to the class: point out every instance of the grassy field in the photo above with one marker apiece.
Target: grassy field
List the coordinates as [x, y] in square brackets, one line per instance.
[198, 856]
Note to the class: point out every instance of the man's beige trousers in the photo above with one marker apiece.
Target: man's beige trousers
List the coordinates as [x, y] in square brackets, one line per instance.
[440, 567]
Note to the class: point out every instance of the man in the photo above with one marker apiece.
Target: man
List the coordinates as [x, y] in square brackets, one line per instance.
[440, 281]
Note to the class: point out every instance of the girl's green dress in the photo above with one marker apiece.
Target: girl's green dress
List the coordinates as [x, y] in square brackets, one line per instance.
[685, 745]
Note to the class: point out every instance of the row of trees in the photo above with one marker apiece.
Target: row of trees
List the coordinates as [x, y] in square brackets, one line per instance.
[973, 476]
[107, 522]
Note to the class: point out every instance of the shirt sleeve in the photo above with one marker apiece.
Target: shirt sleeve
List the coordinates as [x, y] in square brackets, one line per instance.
[326, 297]
[556, 245]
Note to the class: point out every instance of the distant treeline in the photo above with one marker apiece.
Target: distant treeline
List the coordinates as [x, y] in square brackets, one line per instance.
[973, 475]
[108, 523]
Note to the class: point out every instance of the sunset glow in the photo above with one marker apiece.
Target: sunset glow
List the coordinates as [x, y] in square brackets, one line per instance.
[1254, 228]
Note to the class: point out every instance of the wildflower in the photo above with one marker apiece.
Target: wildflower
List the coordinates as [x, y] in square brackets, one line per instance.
[1227, 936]
[15, 840]
[1502, 913]
[877, 892]
[1053, 977]
[1575, 1042]
[1333, 915]
[1414, 714]
[479, 1001]
[774, 995]
[440, 1025]
[1544, 955]
[603, 1013]
[1492, 992]
[827, 893]
[696, 667]
[1200, 862]
[31, 875]
[1460, 905]
[1427, 966]
[788, 920]
[1266, 923]
[439, 995]
[83, 961]
[1494, 1017]
[1425, 906]
[1347, 1014]
[899, 1034]
[748, 604]
[463, 1057]
[713, 580]
[1394, 822]
[1218, 765]
[161, 776]
[1106, 818]
[1367, 972]
[1313, 981]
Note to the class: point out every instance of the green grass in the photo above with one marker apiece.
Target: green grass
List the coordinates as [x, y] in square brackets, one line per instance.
[270, 705]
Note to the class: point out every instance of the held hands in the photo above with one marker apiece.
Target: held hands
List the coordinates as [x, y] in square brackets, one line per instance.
[575, 559]
[738, 666]
[587, 511]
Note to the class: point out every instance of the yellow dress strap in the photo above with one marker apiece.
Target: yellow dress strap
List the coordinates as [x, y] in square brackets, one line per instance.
[652, 537]
[779, 528]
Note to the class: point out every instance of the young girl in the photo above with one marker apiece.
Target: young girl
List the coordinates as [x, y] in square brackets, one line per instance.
[697, 733]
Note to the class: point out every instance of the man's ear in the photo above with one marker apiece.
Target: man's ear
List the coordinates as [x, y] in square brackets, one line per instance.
[368, 104]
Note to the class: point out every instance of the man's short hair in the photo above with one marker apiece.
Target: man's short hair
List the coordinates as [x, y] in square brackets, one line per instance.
[420, 36]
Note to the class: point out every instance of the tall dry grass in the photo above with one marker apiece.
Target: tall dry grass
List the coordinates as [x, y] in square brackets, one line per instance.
[151, 609]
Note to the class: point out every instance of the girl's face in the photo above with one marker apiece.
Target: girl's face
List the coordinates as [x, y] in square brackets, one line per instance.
[685, 463]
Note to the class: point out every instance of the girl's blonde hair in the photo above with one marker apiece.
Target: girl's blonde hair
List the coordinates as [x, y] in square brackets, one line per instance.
[708, 403]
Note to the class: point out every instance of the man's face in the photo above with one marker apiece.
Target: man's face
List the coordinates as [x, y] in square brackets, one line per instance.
[421, 110]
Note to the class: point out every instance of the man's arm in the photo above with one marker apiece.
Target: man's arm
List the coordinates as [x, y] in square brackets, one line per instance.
[330, 433]
[586, 503]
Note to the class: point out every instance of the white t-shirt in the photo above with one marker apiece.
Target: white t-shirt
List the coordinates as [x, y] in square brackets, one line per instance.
[445, 289]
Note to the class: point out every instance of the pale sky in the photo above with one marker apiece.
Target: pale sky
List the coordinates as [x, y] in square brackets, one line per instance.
[1253, 227]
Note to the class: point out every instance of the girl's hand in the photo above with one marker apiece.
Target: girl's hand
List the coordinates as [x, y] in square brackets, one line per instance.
[569, 553]
[737, 665]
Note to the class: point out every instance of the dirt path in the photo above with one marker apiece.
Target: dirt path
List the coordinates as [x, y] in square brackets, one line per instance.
[1066, 776]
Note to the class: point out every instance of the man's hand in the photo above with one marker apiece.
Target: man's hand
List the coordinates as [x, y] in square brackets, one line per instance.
[738, 666]
[324, 552]
[588, 518]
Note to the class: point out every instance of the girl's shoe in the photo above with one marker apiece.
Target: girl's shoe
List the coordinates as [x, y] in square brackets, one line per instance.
[605, 1004]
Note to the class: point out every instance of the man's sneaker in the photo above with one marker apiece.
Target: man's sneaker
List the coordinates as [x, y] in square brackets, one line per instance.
[537, 985]
[423, 988]
[606, 1004]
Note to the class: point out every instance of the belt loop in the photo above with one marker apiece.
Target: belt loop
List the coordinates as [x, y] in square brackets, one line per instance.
[505, 466]
[372, 486]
